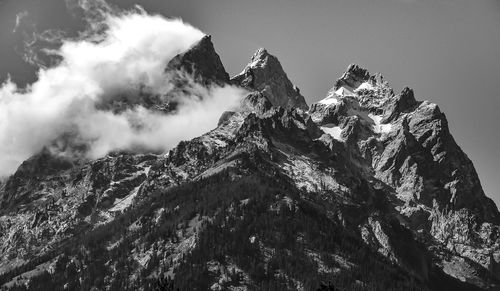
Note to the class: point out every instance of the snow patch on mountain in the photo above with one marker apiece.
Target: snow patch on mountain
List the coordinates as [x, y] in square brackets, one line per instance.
[329, 101]
[373, 120]
[364, 86]
[377, 126]
[342, 91]
[334, 131]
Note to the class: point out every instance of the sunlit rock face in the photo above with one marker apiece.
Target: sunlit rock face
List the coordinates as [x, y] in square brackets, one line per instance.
[264, 73]
[406, 145]
[365, 190]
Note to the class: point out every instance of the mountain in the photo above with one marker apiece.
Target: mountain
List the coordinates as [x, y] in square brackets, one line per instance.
[202, 62]
[265, 74]
[363, 190]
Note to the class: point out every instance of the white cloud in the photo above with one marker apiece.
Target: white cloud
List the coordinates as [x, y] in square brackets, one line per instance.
[19, 18]
[133, 50]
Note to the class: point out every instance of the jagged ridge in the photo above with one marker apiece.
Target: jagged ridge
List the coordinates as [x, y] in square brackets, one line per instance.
[366, 190]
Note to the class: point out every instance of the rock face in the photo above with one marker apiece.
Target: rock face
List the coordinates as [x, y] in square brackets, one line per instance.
[202, 61]
[407, 146]
[365, 191]
[265, 74]
[26, 179]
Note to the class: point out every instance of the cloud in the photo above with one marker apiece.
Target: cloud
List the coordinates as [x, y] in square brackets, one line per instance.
[158, 132]
[126, 55]
[19, 18]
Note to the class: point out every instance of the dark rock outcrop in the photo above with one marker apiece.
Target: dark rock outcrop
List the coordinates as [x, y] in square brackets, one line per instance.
[202, 62]
[352, 78]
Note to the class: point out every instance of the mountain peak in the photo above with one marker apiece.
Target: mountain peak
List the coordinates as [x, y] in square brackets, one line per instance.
[353, 77]
[260, 53]
[265, 74]
[202, 61]
[365, 182]
[261, 57]
[370, 90]
[357, 70]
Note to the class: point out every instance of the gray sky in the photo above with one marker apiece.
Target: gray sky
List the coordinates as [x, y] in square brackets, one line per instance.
[448, 51]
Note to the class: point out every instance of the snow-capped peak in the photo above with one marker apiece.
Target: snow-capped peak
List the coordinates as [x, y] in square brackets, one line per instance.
[357, 82]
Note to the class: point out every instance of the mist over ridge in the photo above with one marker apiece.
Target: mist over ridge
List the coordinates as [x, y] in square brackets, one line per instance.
[121, 53]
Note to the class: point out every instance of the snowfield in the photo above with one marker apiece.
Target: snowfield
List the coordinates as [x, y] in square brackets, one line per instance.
[334, 131]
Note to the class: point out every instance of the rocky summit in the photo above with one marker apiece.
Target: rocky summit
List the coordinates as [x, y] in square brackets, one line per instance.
[364, 190]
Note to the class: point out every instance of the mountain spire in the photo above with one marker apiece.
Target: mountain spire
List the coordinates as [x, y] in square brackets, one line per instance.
[264, 73]
[353, 77]
[202, 61]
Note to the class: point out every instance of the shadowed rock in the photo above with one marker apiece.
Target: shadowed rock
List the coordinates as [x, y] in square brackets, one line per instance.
[202, 62]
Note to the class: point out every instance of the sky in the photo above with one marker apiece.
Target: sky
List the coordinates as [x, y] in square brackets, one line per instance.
[448, 51]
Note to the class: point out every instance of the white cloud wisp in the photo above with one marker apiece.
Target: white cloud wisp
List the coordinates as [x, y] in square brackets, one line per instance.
[130, 53]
